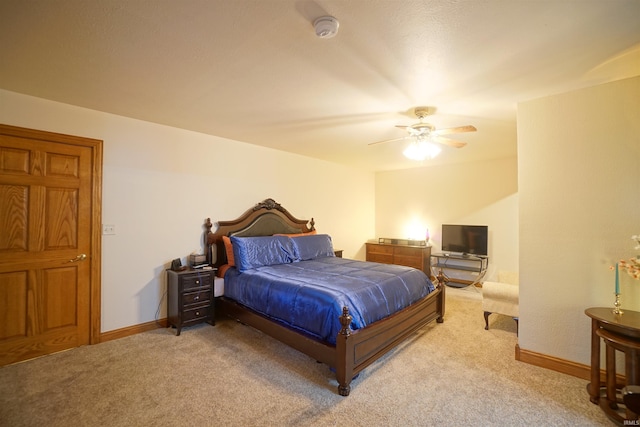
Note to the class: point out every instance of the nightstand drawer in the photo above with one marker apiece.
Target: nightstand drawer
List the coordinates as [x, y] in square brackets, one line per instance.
[199, 297]
[196, 314]
[196, 280]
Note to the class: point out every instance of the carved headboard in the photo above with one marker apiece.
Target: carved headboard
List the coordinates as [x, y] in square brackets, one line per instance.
[264, 219]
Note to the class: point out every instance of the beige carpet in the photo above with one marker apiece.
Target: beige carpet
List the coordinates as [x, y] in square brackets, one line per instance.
[454, 373]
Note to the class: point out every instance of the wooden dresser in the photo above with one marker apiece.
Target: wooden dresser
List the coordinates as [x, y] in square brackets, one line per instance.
[411, 256]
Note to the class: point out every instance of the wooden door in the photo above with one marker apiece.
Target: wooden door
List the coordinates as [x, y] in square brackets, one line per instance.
[50, 188]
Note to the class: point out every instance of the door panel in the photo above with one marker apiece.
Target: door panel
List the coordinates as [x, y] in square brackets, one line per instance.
[61, 218]
[13, 217]
[14, 160]
[47, 220]
[59, 290]
[13, 300]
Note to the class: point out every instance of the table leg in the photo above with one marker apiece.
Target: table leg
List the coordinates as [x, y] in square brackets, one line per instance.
[632, 373]
[594, 386]
[611, 377]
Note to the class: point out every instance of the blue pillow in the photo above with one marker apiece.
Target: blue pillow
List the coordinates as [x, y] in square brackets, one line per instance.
[254, 252]
[314, 246]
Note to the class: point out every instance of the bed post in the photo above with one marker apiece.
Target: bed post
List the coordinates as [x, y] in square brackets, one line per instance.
[207, 246]
[441, 284]
[344, 354]
[442, 299]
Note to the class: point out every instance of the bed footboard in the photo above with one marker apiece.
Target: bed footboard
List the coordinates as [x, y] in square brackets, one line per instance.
[355, 350]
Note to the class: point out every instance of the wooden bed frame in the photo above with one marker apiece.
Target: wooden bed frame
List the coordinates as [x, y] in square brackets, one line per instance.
[354, 350]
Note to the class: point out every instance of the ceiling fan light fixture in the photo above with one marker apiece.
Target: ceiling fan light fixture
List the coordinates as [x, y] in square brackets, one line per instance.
[421, 149]
[426, 139]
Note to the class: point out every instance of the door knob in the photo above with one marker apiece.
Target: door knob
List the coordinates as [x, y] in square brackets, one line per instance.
[80, 257]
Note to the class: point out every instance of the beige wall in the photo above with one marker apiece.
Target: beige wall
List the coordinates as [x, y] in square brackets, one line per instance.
[160, 183]
[579, 189]
[480, 193]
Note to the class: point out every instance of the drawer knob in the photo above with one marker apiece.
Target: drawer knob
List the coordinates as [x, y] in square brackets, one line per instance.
[197, 313]
[196, 298]
[197, 282]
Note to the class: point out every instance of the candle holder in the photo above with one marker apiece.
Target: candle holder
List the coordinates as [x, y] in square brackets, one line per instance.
[616, 306]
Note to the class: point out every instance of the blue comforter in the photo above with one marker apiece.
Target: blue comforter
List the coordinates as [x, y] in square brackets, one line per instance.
[309, 295]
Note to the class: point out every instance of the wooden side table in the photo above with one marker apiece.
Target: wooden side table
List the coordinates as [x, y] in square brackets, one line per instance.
[614, 328]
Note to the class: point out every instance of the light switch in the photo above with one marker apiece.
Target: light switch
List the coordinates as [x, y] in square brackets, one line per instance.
[108, 229]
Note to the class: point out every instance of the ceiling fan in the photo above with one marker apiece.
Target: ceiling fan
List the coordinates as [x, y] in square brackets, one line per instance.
[424, 135]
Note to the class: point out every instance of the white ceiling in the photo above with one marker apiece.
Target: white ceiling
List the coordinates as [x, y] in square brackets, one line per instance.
[254, 70]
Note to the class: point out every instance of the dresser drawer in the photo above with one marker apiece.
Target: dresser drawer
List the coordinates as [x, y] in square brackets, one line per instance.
[408, 252]
[381, 258]
[379, 253]
[199, 297]
[409, 256]
[408, 261]
[198, 313]
[196, 281]
[379, 249]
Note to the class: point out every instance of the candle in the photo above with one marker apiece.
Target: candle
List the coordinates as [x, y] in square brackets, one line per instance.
[617, 282]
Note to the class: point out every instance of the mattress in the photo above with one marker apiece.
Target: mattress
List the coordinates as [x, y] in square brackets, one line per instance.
[309, 295]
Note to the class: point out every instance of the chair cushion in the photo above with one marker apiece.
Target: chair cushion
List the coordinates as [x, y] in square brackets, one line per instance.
[501, 298]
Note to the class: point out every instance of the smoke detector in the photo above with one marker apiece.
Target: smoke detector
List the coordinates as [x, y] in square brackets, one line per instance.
[326, 27]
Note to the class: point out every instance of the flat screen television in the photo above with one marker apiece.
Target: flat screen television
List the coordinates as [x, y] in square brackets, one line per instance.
[465, 239]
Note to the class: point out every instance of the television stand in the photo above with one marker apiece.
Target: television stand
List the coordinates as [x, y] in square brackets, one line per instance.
[460, 262]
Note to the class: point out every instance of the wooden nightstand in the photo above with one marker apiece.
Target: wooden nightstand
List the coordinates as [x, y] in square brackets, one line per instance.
[190, 298]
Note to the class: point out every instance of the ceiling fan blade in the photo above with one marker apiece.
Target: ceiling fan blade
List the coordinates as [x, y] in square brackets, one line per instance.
[423, 131]
[449, 142]
[459, 129]
[389, 140]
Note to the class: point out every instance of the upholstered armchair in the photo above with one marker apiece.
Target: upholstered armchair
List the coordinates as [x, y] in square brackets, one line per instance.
[501, 297]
